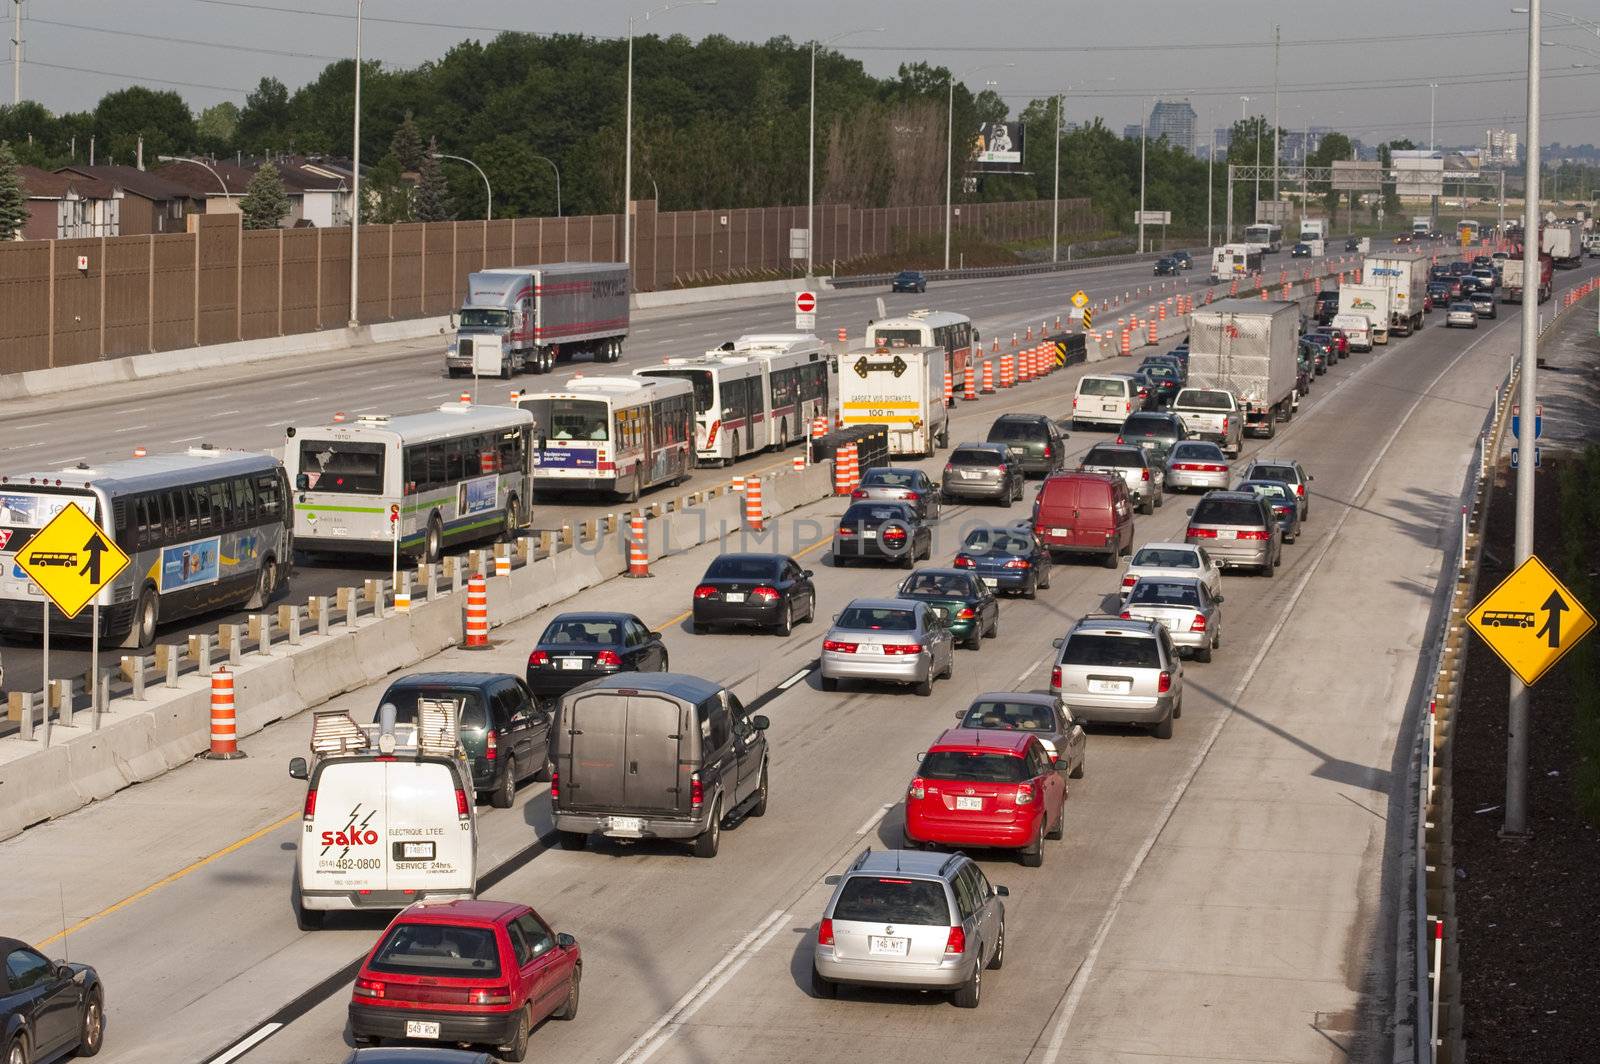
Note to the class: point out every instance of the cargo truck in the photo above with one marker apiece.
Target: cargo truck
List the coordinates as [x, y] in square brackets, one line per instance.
[1421, 225]
[1405, 274]
[1235, 262]
[530, 317]
[1563, 242]
[901, 387]
[1371, 301]
[1513, 281]
[1248, 347]
[1313, 229]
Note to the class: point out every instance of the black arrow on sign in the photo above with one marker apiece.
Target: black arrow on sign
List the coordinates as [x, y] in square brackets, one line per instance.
[94, 548]
[1555, 604]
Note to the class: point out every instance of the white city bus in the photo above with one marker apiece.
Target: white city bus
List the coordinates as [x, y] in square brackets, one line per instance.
[614, 434]
[453, 475]
[1268, 234]
[205, 529]
[756, 392]
[929, 328]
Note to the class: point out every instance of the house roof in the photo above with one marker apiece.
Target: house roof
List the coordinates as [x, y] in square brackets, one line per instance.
[42, 184]
[202, 182]
[132, 179]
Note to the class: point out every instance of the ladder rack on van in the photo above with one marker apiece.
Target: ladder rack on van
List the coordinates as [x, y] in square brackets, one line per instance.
[334, 733]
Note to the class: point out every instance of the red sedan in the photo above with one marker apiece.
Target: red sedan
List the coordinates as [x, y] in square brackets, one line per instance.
[482, 972]
[987, 788]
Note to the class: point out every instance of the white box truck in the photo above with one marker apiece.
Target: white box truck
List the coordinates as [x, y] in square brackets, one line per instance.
[389, 813]
[1421, 225]
[539, 315]
[1235, 262]
[1313, 229]
[902, 388]
[1370, 301]
[1405, 274]
[1357, 328]
[1563, 242]
[1248, 347]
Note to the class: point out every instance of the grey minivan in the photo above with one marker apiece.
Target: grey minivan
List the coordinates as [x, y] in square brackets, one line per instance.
[658, 755]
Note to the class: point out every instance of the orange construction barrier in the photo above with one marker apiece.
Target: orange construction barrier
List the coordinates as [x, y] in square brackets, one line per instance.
[752, 505]
[139, 452]
[1161, 311]
[1024, 367]
[844, 335]
[1008, 371]
[502, 563]
[1208, 297]
[841, 471]
[738, 483]
[855, 466]
[988, 378]
[969, 383]
[477, 630]
[1153, 338]
[466, 397]
[798, 463]
[638, 556]
[949, 389]
[1233, 288]
[1127, 343]
[224, 724]
[819, 426]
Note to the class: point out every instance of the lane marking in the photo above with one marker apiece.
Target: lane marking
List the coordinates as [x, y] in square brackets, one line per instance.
[173, 878]
[872, 821]
[796, 678]
[1080, 979]
[189, 439]
[674, 1018]
[245, 1045]
[302, 402]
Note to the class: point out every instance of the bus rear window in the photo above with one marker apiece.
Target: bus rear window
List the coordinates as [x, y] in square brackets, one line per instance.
[898, 337]
[342, 466]
[570, 419]
[699, 378]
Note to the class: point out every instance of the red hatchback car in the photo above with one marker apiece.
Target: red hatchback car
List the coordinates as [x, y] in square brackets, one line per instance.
[987, 788]
[479, 972]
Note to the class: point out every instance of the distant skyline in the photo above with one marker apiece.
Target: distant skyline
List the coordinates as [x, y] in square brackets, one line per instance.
[1367, 73]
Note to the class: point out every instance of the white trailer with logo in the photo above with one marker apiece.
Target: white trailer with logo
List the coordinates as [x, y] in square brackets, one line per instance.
[1370, 301]
[901, 388]
[529, 317]
[1247, 347]
[389, 813]
[1405, 275]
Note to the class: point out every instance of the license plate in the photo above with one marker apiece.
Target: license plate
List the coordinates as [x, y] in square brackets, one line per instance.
[882, 946]
[991, 581]
[1108, 687]
[1109, 407]
[416, 851]
[627, 825]
[869, 648]
[572, 663]
[733, 596]
[421, 1029]
[1015, 450]
[965, 475]
[869, 534]
[1227, 533]
[964, 802]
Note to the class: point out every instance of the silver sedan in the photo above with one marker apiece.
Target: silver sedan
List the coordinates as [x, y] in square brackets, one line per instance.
[1185, 606]
[889, 640]
[1196, 464]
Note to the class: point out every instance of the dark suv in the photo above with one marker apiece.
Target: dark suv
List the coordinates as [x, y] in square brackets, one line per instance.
[909, 281]
[1327, 306]
[982, 471]
[1034, 440]
[505, 733]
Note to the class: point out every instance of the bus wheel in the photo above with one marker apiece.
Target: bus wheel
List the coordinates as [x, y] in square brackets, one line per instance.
[513, 517]
[142, 631]
[631, 492]
[266, 584]
[433, 545]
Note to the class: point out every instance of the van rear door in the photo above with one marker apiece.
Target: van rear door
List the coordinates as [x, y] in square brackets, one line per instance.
[345, 841]
[429, 844]
[622, 752]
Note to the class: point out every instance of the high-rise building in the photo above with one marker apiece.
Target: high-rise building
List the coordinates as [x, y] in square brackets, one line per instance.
[1131, 131]
[1500, 146]
[1173, 119]
[1224, 135]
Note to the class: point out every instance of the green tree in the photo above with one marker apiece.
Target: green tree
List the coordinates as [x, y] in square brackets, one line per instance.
[264, 122]
[1333, 147]
[217, 124]
[406, 145]
[13, 202]
[431, 203]
[264, 202]
[387, 196]
[160, 119]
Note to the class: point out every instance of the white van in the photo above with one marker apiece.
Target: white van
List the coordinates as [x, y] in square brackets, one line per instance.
[1104, 399]
[389, 814]
[1358, 328]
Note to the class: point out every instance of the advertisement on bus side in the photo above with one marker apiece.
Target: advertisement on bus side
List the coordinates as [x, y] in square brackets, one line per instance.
[191, 564]
[476, 496]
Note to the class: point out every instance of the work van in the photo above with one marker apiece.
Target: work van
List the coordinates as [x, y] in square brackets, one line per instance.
[1104, 399]
[389, 816]
[1084, 513]
[656, 755]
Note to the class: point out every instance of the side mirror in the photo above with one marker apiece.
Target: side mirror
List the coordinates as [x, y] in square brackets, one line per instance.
[302, 482]
[1002, 892]
[920, 757]
[566, 941]
[64, 970]
[1056, 643]
[298, 770]
[760, 722]
[961, 714]
[1219, 600]
[806, 573]
[831, 881]
[656, 636]
[1190, 511]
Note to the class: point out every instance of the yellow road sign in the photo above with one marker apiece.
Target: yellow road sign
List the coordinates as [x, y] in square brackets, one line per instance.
[1080, 299]
[71, 559]
[1522, 620]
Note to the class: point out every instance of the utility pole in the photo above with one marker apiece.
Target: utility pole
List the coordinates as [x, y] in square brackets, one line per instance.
[16, 55]
[1055, 200]
[1433, 92]
[355, 184]
[1142, 124]
[1211, 188]
[1515, 824]
[1276, 154]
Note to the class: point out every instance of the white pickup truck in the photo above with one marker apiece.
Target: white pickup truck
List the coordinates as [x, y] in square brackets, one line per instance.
[1212, 414]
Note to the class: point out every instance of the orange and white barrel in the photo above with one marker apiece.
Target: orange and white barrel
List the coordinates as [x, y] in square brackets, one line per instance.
[477, 624]
[224, 721]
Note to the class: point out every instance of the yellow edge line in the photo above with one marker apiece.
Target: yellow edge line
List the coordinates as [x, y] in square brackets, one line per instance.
[173, 878]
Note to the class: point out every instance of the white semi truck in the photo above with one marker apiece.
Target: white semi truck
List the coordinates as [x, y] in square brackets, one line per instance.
[1405, 275]
[1370, 301]
[901, 388]
[529, 317]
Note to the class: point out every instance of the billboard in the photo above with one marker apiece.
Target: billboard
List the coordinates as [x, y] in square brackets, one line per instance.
[1356, 176]
[1418, 173]
[998, 146]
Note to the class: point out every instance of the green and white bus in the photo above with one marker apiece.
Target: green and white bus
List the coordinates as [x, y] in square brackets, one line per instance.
[205, 529]
[453, 475]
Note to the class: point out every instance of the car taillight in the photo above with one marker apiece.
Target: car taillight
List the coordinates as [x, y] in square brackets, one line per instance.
[1074, 402]
[1125, 615]
[1055, 678]
[966, 614]
[902, 648]
[917, 789]
[1120, 439]
[1024, 794]
[705, 591]
[825, 932]
[370, 988]
[311, 803]
[462, 808]
[555, 785]
[964, 562]
[1164, 684]
[608, 658]
[837, 647]
[1253, 533]
[490, 995]
[697, 792]
[1038, 530]
[1129, 580]
[1198, 624]
[1224, 424]
[1018, 563]
[846, 530]
[1201, 533]
[1144, 474]
[538, 660]
[491, 746]
[912, 496]
[1299, 489]
[1215, 468]
[1048, 451]
[859, 493]
[956, 944]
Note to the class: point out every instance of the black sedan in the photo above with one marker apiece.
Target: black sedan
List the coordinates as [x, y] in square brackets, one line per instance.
[47, 1008]
[1352, 244]
[1300, 251]
[578, 647]
[1167, 267]
[1042, 714]
[754, 591]
[909, 281]
[974, 611]
[1281, 497]
[883, 531]
[1006, 559]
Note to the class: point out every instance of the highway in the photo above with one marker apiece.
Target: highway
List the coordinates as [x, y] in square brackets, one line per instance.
[249, 406]
[1219, 896]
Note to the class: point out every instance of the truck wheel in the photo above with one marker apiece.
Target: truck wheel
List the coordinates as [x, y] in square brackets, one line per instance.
[573, 840]
[707, 842]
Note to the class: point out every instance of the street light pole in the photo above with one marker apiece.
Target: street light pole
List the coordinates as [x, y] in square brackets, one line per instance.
[557, 169]
[197, 162]
[811, 140]
[1143, 122]
[1211, 188]
[488, 192]
[1055, 196]
[950, 152]
[1433, 92]
[1276, 117]
[355, 184]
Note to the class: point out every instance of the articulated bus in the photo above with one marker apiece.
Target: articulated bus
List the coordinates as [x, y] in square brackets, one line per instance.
[929, 328]
[612, 434]
[1268, 234]
[205, 529]
[753, 393]
[453, 475]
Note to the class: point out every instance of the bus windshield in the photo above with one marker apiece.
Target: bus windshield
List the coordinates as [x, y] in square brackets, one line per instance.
[700, 378]
[570, 419]
[899, 337]
[344, 466]
[484, 318]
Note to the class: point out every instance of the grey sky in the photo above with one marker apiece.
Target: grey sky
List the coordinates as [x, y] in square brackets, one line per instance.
[1329, 84]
